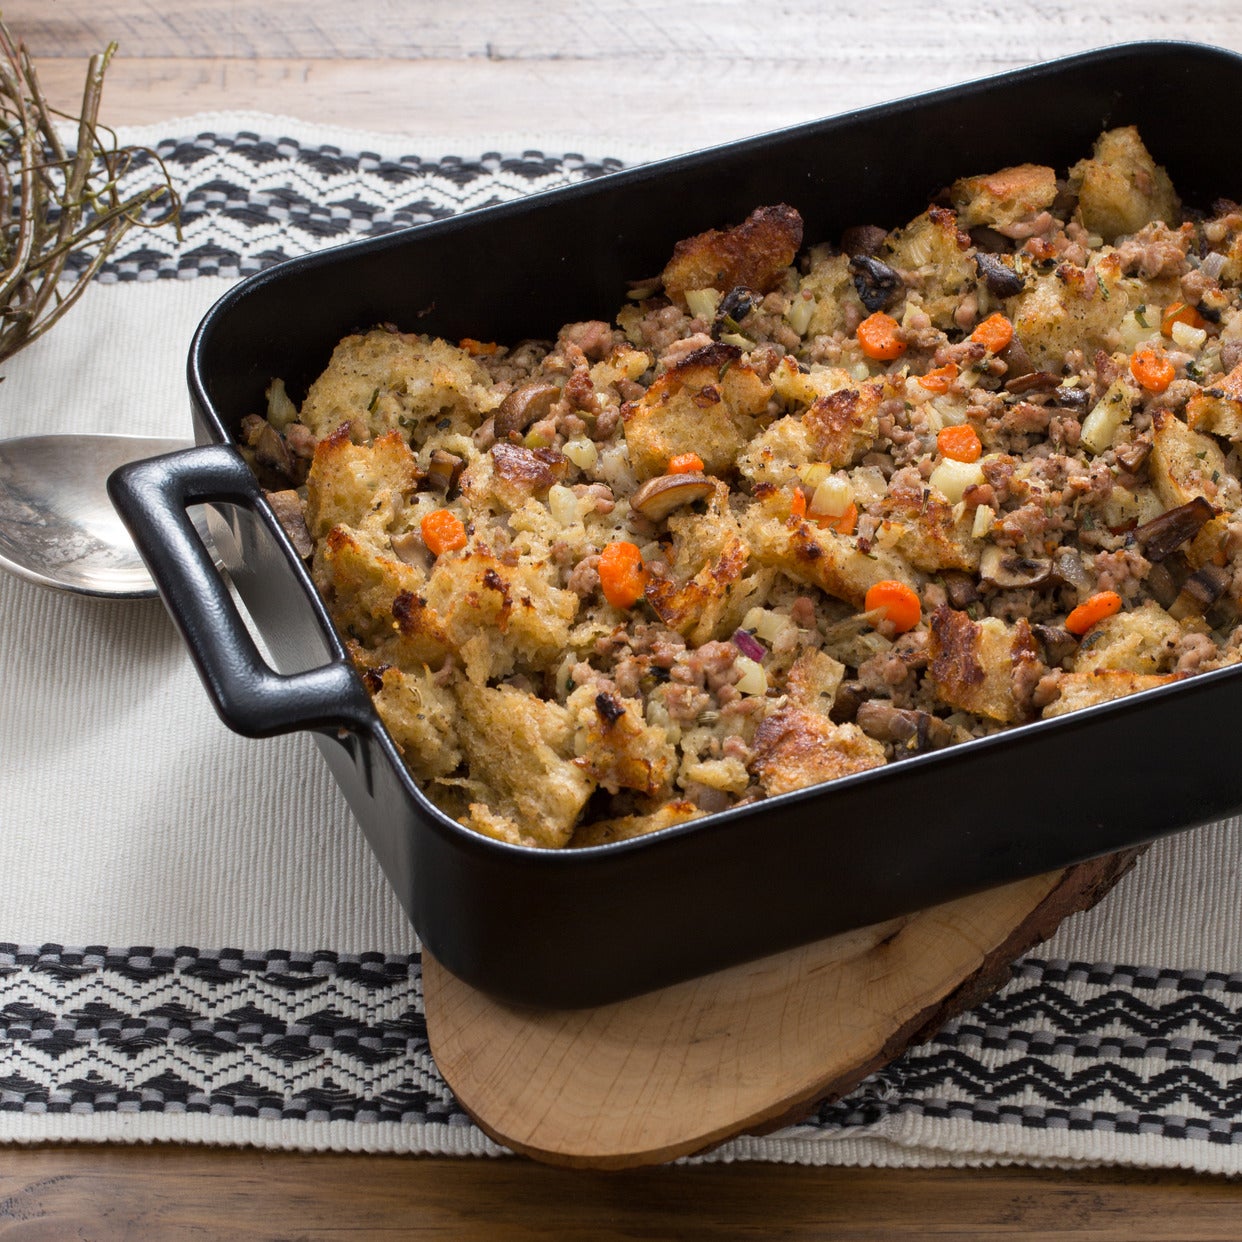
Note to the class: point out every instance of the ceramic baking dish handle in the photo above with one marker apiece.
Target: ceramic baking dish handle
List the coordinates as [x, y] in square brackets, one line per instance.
[251, 697]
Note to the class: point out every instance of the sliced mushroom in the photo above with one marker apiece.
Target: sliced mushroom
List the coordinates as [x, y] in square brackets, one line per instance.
[1164, 579]
[526, 404]
[1076, 399]
[1133, 456]
[409, 547]
[1033, 381]
[863, 239]
[960, 588]
[1056, 641]
[1067, 565]
[999, 277]
[443, 471]
[1200, 591]
[850, 696]
[270, 451]
[1174, 527]
[918, 731]
[1010, 570]
[876, 282]
[658, 497]
[287, 506]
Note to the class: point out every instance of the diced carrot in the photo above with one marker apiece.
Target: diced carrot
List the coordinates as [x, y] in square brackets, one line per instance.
[994, 333]
[939, 379]
[1180, 312]
[844, 523]
[1152, 369]
[797, 506]
[960, 442]
[685, 463]
[877, 334]
[443, 531]
[622, 574]
[474, 348]
[899, 603]
[1092, 611]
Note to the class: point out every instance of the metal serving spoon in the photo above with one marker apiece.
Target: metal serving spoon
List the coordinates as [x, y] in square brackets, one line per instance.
[57, 526]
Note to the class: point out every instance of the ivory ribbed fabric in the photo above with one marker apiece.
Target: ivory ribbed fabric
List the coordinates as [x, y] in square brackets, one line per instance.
[196, 944]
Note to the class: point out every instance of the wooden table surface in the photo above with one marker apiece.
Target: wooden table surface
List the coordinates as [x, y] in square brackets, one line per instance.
[614, 70]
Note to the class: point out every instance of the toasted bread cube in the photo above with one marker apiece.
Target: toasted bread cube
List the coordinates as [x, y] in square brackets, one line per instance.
[1121, 188]
[1185, 464]
[1072, 308]
[974, 664]
[1080, 690]
[496, 615]
[813, 681]
[1000, 199]
[520, 749]
[704, 593]
[419, 713]
[615, 746]
[755, 253]
[794, 748]
[605, 831]
[390, 381]
[822, 558]
[348, 482]
[709, 404]
[934, 250]
[1218, 408]
[928, 532]
[1136, 640]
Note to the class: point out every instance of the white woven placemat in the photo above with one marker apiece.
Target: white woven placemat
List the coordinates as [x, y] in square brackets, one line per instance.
[195, 942]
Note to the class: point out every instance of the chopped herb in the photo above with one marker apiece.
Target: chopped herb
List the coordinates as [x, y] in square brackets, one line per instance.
[444, 424]
[372, 403]
[1139, 313]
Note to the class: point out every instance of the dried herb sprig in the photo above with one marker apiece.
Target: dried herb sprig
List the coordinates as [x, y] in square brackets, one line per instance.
[62, 210]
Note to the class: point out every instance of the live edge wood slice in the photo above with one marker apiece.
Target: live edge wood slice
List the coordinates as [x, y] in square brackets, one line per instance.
[744, 1050]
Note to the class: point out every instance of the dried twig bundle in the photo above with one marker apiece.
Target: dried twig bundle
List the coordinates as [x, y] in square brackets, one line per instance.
[62, 210]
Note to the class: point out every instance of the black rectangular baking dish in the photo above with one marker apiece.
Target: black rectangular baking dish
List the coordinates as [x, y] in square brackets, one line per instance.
[586, 927]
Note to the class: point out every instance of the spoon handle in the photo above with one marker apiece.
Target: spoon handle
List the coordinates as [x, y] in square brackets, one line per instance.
[251, 696]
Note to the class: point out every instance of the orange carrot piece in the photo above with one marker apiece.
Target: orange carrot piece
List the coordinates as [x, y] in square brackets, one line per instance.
[994, 333]
[443, 531]
[797, 506]
[1152, 369]
[844, 523]
[1092, 611]
[475, 348]
[877, 334]
[685, 463]
[939, 379]
[622, 574]
[1180, 312]
[960, 442]
[899, 603]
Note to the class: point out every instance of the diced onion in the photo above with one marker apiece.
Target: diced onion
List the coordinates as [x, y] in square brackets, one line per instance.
[766, 624]
[736, 338]
[582, 452]
[814, 473]
[832, 497]
[952, 478]
[753, 679]
[563, 504]
[1100, 426]
[702, 303]
[1188, 337]
[1213, 264]
[800, 313]
[984, 516]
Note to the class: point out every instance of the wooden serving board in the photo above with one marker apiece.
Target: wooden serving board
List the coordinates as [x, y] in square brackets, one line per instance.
[743, 1050]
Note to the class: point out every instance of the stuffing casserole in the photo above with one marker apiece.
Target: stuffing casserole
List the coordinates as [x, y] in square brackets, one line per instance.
[793, 514]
